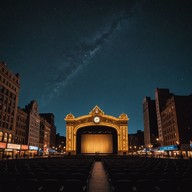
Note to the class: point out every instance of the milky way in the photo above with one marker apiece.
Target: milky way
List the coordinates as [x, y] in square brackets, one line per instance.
[85, 50]
[74, 54]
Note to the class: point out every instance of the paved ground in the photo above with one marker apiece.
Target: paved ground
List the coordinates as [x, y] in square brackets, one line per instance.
[98, 181]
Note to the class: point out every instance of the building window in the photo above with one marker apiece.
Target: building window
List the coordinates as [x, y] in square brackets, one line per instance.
[10, 138]
[1, 136]
[5, 137]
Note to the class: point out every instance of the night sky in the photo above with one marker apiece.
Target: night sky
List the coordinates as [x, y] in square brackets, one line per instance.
[74, 55]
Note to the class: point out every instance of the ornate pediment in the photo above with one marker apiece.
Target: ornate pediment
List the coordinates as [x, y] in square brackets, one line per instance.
[98, 124]
[123, 116]
[70, 116]
[96, 111]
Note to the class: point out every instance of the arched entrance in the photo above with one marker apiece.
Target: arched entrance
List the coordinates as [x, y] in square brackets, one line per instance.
[96, 133]
[96, 139]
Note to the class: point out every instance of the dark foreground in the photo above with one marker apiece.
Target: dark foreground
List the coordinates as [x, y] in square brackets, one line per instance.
[73, 173]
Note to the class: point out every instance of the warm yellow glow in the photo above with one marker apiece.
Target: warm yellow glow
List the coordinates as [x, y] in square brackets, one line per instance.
[119, 124]
[96, 143]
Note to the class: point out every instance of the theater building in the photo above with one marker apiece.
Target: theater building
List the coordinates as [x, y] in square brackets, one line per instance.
[97, 133]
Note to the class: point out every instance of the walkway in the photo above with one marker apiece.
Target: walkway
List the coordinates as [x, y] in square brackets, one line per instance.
[98, 181]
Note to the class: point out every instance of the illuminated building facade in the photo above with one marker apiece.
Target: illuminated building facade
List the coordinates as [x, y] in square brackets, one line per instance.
[9, 92]
[33, 123]
[177, 121]
[96, 133]
[174, 122]
[161, 96]
[50, 118]
[45, 130]
[21, 127]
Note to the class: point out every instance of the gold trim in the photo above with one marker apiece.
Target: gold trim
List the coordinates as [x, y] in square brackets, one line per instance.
[119, 124]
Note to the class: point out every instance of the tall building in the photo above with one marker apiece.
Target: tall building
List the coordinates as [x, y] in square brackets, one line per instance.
[44, 141]
[9, 93]
[21, 127]
[150, 123]
[33, 123]
[50, 118]
[161, 96]
[174, 120]
[177, 121]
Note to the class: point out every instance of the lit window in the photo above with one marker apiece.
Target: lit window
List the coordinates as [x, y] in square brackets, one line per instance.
[1, 136]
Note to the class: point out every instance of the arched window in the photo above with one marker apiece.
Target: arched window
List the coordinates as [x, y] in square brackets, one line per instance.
[10, 138]
[5, 137]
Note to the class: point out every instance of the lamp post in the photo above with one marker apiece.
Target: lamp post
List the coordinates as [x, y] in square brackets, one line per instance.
[157, 139]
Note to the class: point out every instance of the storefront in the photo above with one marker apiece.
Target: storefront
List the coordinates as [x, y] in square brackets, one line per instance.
[2, 148]
[186, 150]
[33, 151]
[24, 151]
[12, 150]
[169, 150]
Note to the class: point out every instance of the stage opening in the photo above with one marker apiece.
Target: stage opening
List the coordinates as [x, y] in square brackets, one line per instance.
[96, 140]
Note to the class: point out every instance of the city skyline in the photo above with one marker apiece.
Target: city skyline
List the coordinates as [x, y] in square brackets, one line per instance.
[74, 55]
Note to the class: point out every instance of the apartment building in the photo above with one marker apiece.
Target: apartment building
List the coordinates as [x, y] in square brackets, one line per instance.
[9, 93]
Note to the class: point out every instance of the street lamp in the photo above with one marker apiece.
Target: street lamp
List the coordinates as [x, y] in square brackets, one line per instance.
[157, 141]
